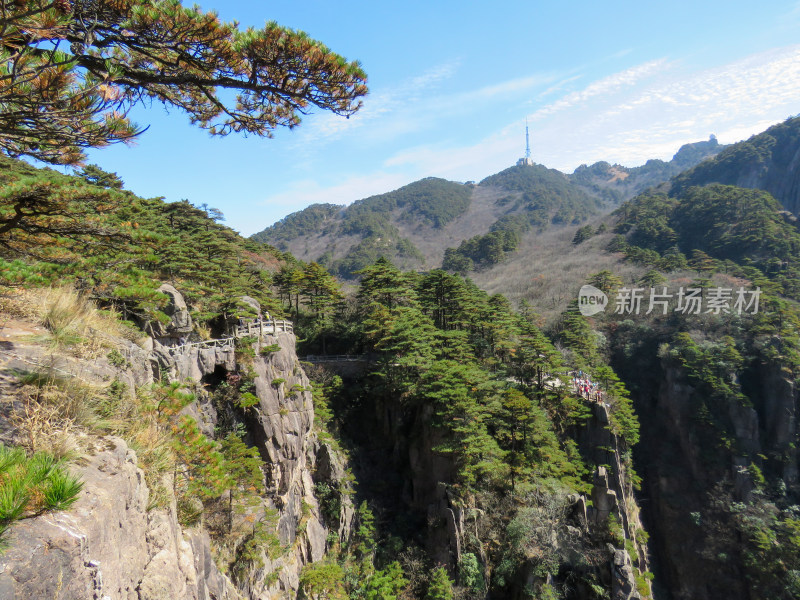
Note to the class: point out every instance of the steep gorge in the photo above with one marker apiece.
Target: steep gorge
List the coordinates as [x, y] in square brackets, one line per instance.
[589, 542]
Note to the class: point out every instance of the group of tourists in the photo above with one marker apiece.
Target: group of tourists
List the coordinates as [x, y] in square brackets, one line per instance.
[584, 387]
[266, 320]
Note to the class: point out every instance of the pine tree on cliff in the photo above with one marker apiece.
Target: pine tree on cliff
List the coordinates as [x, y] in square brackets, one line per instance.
[73, 70]
[440, 586]
[320, 289]
[460, 395]
[406, 341]
[386, 284]
[444, 297]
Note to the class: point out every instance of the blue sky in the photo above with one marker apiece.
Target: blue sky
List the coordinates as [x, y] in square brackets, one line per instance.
[451, 84]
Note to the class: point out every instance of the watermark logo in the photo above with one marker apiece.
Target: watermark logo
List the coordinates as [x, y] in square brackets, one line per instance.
[591, 300]
[687, 301]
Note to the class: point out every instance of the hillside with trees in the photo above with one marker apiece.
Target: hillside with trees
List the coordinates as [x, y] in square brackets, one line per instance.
[120, 247]
[466, 227]
[486, 422]
[715, 390]
[616, 183]
[465, 406]
[769, 161]
[715, 386]
[426, 214]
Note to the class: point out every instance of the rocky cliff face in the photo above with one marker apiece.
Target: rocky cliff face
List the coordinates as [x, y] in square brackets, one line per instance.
[688, 475]
[571, 533]
[281, 426]
[110, 546]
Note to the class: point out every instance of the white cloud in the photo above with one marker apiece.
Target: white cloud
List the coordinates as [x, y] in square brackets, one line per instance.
[651, 110]
[644, 112]
[603, 87]
[377, 106]
[461, 164]
[557, 87]
[415, 106]
[304, 193]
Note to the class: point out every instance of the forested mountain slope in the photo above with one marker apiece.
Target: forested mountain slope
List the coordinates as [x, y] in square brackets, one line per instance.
[716, 391]
[768, 161]
[86, 230]
[716, 387]
[480, 224]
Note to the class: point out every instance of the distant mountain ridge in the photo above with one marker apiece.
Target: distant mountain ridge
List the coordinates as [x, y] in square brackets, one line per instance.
[768, 161]
[615, 183]
[420, 224]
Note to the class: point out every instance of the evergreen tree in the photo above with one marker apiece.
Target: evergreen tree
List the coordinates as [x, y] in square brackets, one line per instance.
[534, 358]
[75, 70]
[583, 234]
[44, 215]
[460, 394]
[623, 418]
[574, 332]
[323, 581]
[442, 296]
[97, 176]
[385, 284]
[320, 289]
[243, 464]
[516, 433]
[499, 327]
[606, 281]
[652, 278]
[407, 342]
[290, 281]
[440, 586]
[386, 584]
[702, 262]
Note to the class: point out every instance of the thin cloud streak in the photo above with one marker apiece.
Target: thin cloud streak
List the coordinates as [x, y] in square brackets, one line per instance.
[305, 193]
[603, 87]
[414, 106]
[646, 111]
[652, 116]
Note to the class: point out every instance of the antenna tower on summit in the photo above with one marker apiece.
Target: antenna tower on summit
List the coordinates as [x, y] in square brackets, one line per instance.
[527, 160]
[527, 142]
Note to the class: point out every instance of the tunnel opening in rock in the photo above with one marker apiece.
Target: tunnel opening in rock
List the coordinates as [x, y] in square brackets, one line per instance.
[215, 378]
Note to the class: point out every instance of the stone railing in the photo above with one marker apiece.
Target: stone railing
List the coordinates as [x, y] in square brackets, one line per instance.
[257, 329]
[264, 328]
[217, 343]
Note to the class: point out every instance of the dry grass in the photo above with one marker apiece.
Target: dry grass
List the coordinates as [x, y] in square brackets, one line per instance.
[73, 321]
[202, 331]
[55, 414]
[18, 303]
[311, 247]
[152, 446]
[548, 270]
[63, 416]
[42, 429]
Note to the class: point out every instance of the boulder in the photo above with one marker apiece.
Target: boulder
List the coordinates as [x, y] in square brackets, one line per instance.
[180, 321]
[623, 584]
